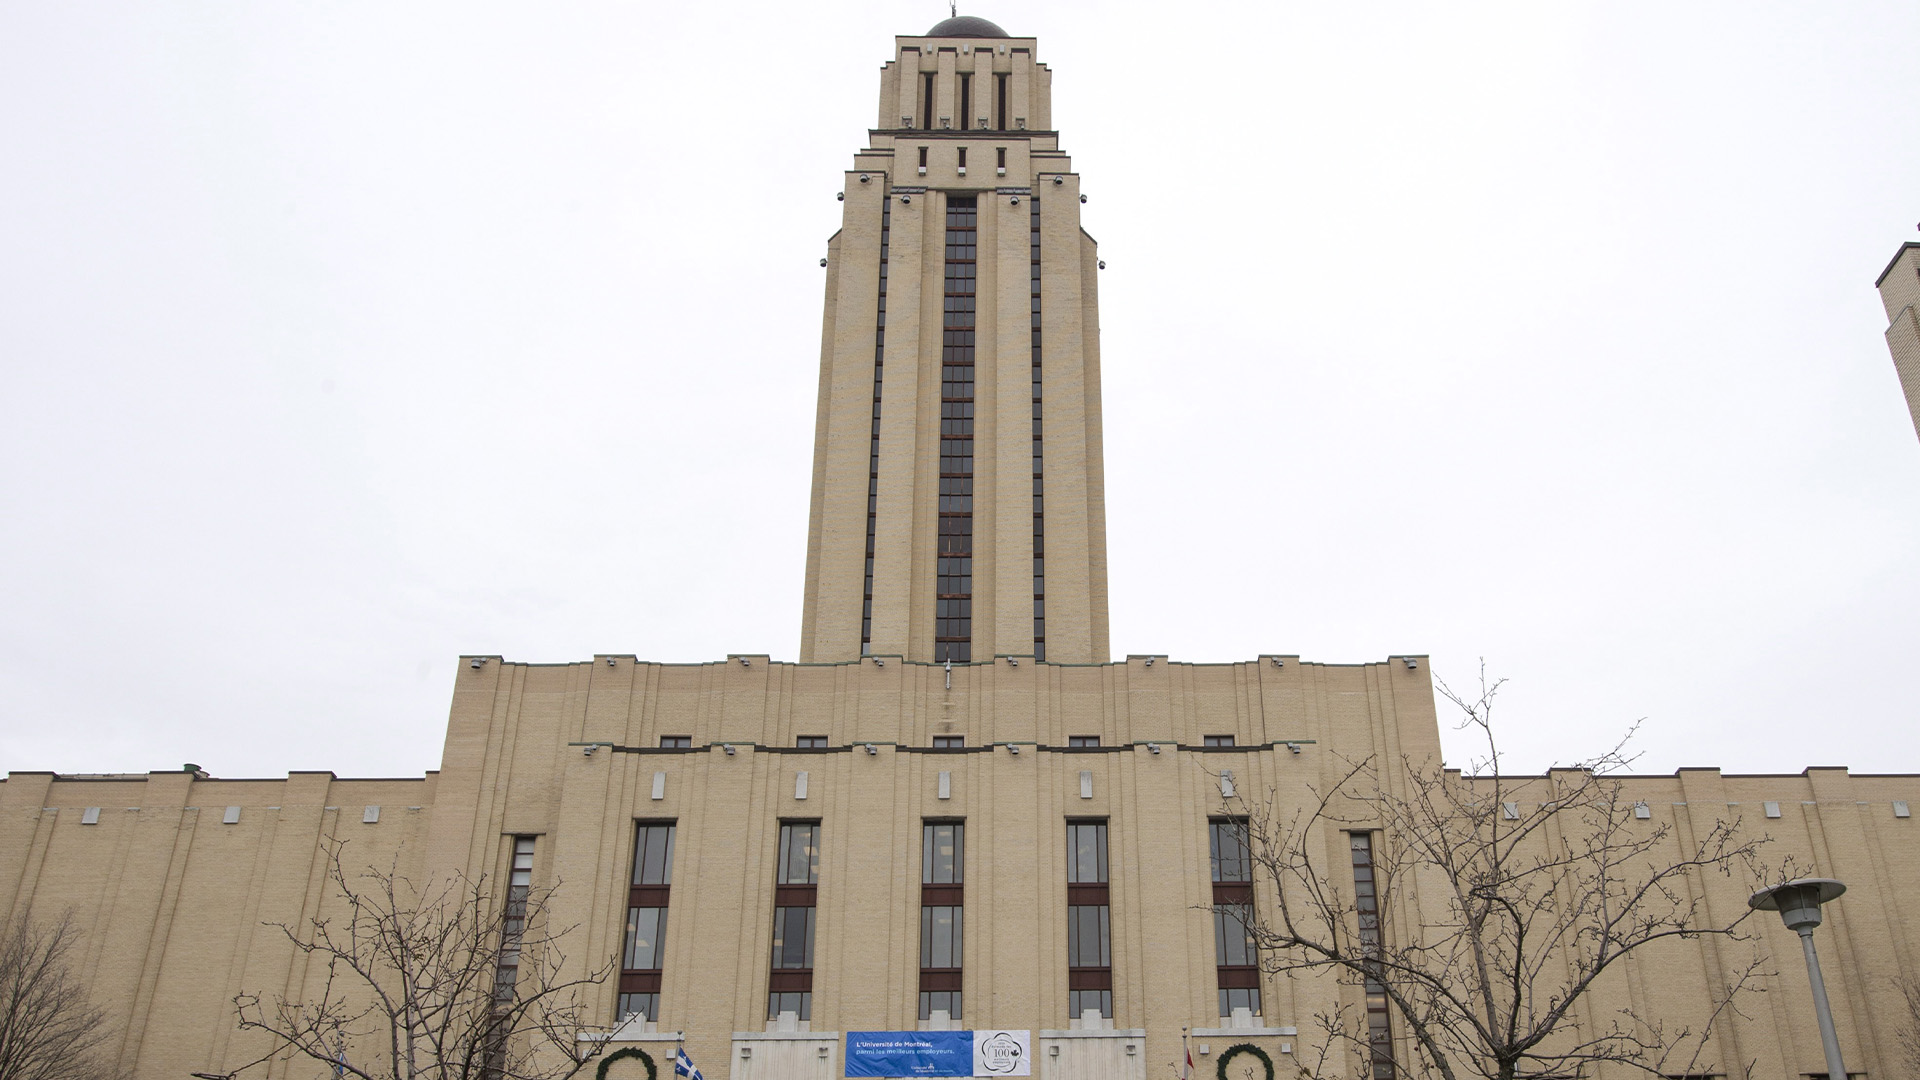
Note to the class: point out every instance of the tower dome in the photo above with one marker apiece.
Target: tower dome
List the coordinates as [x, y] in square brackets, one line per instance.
[971, 26]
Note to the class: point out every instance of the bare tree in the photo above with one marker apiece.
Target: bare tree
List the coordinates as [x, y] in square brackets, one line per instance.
[1515, 897]
[48, 1030]
[442, 981]
[1909, 1033]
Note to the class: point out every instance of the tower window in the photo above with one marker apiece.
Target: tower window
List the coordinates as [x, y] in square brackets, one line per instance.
[1236, 962]
[1000, 102]
[1089, 930]
[1000, 157]
[873, 446]
[953, 589]
[966, 105]
[963, 157]
[926, 102]
[923, 157]
[796, 889]
[640, 959]
[942, 916]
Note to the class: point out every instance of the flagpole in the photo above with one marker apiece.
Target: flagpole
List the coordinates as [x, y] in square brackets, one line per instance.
[1186, 1056]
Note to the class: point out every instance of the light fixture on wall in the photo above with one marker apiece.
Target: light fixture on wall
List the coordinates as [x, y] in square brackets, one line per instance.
[877, 662]
[1083, 200]
[476, 662]
[1153, 748]
[1293, 748]
[863, 178]
[905, 200]
[610, 661]
[1277, 662]
[1410, 662]
[823, 262]
[1015, 201]
[1058, 180]
[1012, 749]
[1149, 661]
[728, 747]
[872, 750]
[744, 662]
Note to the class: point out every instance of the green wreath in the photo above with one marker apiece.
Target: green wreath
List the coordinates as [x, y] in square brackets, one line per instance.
[1226, 1055]
[636, 1052]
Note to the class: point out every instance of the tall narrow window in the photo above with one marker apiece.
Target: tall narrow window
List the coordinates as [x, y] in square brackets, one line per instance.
[1000, 102]
[1234, 957]
[1039, 503]
[926, 102]
[513, 928]
[873, 445]
[1089, 937]
[953, 603]
[942, 866]
[646, 920]
[795, 888]
[966, 105]
[963, 159]
[1366, 903]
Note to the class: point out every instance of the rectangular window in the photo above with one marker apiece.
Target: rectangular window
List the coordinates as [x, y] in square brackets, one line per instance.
[949, 742]
[1366, 903]
[1000, 121]
[1217, 740]
[963, 157]
[676, 742]
[942, 916]
[923, 157]
[795, 900]
[953, 586]
[647, 893]
[926, 103]
[514, 919]
[1000, 157]
[1089, 920]
[966, 109]
[1082, 742]
[1236, 962]
[1039, 458]
[811, 742]
[873, 443]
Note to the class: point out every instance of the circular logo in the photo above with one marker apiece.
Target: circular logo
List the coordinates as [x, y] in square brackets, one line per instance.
[1000, 1054]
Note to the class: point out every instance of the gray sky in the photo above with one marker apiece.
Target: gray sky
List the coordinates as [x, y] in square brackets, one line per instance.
[338, 340]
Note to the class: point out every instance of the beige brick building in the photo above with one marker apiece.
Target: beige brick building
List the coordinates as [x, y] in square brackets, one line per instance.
[1899, 286]
[955, 809]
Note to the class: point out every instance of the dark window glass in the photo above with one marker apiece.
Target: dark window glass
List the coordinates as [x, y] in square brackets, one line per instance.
[940, 945]
[947, 1000]
[1000, 114]
[1080, 1001]
[1217, 740]
[653, 855]
[792, 937]
[1087, 852]
[1239, 997]
[799, 1003]
[1080, 740]
[1227, 851]
[811, 742]
[1366, 904]
[1232, 944]
[943, 854]
[966, 110]
[645, 927]
[799, 853]
[1087, 936]
[949, 742]
[644, 1005]
[926, 103]
[676, 742]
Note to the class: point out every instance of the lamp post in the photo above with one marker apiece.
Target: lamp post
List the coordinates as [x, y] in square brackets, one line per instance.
[1798, 902]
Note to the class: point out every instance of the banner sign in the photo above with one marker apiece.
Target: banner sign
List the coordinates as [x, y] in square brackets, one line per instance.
[939, 1053]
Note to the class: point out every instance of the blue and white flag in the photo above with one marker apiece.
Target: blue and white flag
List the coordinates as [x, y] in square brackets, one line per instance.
[683, 1066]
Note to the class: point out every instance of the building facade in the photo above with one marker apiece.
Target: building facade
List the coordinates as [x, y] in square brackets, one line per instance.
[955, 810]
[1899, 286]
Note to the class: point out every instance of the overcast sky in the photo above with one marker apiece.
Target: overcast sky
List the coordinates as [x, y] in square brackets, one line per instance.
[337, 340]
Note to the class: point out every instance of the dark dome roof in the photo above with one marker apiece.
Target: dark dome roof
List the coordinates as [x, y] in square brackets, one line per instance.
[966, 26]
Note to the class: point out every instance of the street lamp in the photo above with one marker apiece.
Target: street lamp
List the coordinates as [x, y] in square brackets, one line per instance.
[1798, 902]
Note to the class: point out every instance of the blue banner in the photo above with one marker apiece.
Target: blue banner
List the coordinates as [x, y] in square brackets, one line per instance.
[909, 1053]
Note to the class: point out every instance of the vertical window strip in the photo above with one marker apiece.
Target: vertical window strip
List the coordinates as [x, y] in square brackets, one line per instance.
[966, 107]
[647, 895]
[873, 435]
[513, 926]
[926, 99]
[1039, 530]
[953, 590]
[1089, 920]
[1366, 902]
[795, 898]
[1236, 962]
[942, 917]
[1000, 101]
